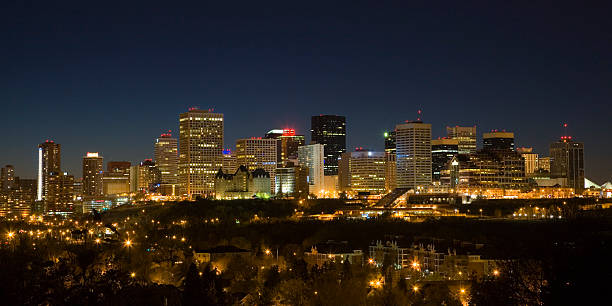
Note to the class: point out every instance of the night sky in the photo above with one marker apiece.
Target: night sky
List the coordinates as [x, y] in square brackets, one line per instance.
[112, 76]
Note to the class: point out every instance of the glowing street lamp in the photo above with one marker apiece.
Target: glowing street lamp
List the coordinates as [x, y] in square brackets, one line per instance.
[132, 275]
[128, 243]
[415, 288]
[268, 251]
[10, 235]
[496, 272]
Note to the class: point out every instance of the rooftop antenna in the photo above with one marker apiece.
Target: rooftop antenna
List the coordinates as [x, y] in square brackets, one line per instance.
[419, 112]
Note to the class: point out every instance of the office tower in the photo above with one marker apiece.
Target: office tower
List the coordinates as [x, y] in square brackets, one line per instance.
[531, 160]
[200, 152]
[229, 164]
[367, 172]
[498, 141]
[466, 135]
[257, 153]
[442, 151]
[413, 155]
[312, 157]
[166, 160]
[567, 161]
[390, 171]
[7, 179]
[486, 169]
[330, 131]
[118, 166]
[288, 143]
[145, 177]
[60, 194]
[92, 176]
[49, 163]
[390, 142]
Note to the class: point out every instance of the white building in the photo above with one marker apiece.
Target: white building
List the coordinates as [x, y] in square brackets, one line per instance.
[312, 157]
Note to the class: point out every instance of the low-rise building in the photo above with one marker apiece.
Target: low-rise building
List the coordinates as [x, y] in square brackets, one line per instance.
[242, 184]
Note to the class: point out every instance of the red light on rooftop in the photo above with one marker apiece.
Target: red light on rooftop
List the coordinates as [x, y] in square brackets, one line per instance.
[288, 132]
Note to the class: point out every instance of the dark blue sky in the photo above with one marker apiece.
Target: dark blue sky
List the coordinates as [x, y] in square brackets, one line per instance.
[111, 76]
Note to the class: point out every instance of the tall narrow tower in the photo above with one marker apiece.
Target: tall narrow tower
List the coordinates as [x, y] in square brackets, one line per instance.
[49, 163]
[93, 187]
[330, 131]
[201, 151]
[166, 160]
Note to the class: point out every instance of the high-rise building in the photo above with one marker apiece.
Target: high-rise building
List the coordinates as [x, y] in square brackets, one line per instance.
[166, 160]
[367, 172]
[93, 187]
[60, 194]
[145, 177]
[330, 131]
[390, 142]
[567, 161]
[116, 179]
[288, 143]
[466, 135]
[201, 149]
[486, 169]
[312, 157]
[498, 141]
[390, 171]
[531, 160]
[544, 164]
[258, 153]
[344, 172]
[442, 151]
[7, 179]
[49, 163]
[413, 150]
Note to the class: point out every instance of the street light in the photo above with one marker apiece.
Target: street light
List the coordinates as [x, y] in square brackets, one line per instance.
[496, 272]
[128, 243]
[415, 288]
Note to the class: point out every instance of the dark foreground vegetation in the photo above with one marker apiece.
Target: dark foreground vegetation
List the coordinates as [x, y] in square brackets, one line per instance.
[557, 262]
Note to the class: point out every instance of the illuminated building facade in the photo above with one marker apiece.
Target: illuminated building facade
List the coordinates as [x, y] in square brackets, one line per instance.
[166, 160]
[229, 165]
[49, 163]
[344, 172]
[145, 177]
[92, 176]
[442, 151]
[200, 151]
[567, 161]
[312, 157]
[330, 131]
[390, 171]
[288, 143]
[413, 149]
[544, 164]
[486, 169]
[60, 194]
[258, 153]
[498, 141]
[531, 160]
[465, 135]
[292, 182]
[7, 179]
[116, 179]
[367, 172]
[243, 184]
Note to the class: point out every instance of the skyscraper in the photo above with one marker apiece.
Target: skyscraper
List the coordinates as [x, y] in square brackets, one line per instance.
[288, 143]
[201, 149]
[330, 131]
[144, 177]
[92, 176]
[257, 153]
[49, 163]
[442, 151]
[567, 161]
[312, 157]
[466, 135]
[498, 141]
[531, 160]
[413, 150]
[229, 165]
[166, 160]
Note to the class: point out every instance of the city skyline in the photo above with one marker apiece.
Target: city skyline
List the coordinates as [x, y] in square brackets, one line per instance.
[531, 70]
